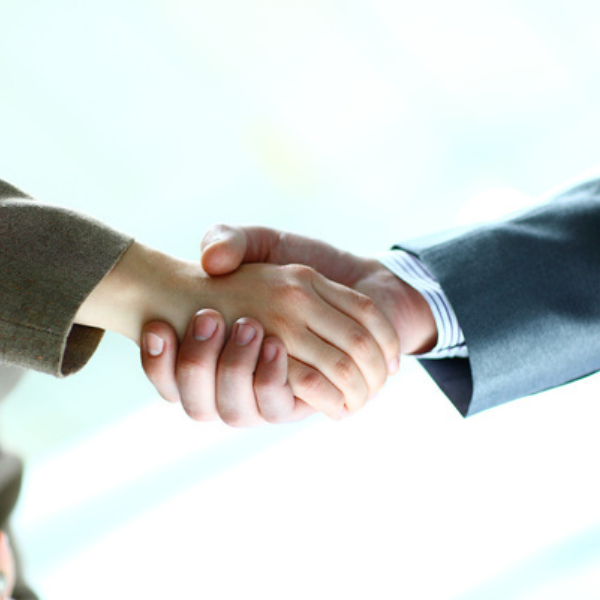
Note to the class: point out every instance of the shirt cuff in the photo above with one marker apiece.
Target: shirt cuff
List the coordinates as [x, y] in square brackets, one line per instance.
[451, 341]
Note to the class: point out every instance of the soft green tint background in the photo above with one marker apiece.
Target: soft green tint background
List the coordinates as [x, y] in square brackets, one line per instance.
[361, 122]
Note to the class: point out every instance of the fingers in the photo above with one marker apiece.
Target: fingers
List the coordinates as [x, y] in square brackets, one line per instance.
[243, 382]
[315, 390]
[362, 309]
[328, 339]
[363, 345]
[159, 358]
[197, 364]
[252, 380]
[226, 247]
[223, 249]
[236, 402]
[186, 373]
[324, 362]
[274, 396]
[371, 341]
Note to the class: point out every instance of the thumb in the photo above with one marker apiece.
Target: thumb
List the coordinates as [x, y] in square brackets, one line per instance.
[223, 249]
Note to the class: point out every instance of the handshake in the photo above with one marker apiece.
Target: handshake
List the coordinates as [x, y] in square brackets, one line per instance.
[283, 326]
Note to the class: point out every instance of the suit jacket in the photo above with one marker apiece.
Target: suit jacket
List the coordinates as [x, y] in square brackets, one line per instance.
[526, 292]
[51, 258]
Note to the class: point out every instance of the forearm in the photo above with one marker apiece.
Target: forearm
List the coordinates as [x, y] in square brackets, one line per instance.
[145, 285]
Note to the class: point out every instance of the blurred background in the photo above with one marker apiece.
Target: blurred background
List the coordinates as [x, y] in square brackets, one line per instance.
[361, 122]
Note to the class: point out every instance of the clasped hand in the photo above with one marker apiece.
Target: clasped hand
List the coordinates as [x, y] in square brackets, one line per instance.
[301, 344]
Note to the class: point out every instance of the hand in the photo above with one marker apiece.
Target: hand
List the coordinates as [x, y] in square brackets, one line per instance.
[225, 248]
[7, 568]
[325, 327]
[251, 376]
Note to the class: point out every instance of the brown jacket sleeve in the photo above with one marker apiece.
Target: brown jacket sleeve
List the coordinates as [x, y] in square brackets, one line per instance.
[51, 258]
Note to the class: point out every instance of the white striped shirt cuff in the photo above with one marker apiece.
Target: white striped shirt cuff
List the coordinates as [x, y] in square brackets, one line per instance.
[451, 341]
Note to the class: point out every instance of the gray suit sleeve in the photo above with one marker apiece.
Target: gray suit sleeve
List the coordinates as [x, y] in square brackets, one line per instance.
[51, 258]
[527, 295]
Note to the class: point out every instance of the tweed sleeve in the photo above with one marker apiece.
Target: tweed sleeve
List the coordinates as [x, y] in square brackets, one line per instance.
[51, 258]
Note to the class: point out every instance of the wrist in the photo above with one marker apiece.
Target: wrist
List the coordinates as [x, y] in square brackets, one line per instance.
[404, 306]
[144, 285]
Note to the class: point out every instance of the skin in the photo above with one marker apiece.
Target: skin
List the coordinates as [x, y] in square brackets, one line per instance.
[7, 566]
[227, 372]
[338, 343]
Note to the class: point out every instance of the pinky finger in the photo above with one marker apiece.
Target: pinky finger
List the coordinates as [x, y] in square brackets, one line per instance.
[274, 396]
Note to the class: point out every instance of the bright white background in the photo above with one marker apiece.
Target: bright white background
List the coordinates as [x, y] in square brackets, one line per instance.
[362, 122]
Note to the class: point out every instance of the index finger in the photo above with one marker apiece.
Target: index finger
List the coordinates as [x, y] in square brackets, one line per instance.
[363, 310]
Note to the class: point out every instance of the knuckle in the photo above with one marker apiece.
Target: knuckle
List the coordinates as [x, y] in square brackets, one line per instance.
[301, 272]
[366, 305]
[294, 293]
[310, 381]
[345, 369]
[361, 342]
[297, 281]
[281, 324]
[217, 229]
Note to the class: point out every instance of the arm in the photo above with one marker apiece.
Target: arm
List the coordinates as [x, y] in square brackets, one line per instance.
[324, 325]
[224, 249]
[525, 292]
[50, 260]
[65, 278]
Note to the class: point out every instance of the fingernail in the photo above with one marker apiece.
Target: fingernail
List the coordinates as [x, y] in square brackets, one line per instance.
[153, 344]
[244, 334]
[269, 352]
[204, 327]
[394, 365]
